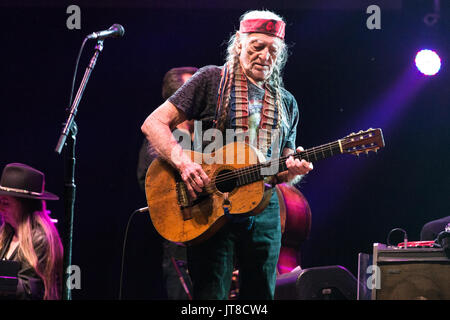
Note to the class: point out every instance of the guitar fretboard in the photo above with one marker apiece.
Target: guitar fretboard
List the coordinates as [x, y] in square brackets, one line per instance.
[259, 171]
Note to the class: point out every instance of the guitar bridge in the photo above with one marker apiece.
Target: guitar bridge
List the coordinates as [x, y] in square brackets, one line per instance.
[183, 200]
[182, 196]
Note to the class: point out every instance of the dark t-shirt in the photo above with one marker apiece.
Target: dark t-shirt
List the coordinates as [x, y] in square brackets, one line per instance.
[197, 98]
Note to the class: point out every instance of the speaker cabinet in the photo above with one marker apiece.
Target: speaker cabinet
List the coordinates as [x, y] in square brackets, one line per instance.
[410, 274]
[320, 283]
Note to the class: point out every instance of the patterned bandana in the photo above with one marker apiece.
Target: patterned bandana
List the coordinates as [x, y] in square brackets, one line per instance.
[268, 26]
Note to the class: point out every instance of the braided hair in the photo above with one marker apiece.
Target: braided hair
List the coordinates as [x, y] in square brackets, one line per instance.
[275, 80]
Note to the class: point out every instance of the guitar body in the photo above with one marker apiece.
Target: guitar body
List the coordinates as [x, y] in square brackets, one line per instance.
[178, 219]
[237, 173]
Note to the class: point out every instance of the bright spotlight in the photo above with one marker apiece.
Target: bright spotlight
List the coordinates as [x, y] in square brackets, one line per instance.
[428, 62]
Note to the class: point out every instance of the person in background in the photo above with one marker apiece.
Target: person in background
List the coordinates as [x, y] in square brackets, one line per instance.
[28, 235]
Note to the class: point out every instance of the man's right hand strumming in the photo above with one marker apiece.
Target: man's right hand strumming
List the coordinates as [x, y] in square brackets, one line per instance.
[193, 176]
[158, 130]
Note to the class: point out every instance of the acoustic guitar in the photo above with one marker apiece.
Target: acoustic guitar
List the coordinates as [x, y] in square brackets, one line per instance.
[238, 175]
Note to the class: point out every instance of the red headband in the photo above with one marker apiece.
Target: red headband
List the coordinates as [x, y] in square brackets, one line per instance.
[269, 26]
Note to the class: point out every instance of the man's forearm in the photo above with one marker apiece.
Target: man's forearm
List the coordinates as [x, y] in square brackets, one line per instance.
[162, 140]
[158, 127]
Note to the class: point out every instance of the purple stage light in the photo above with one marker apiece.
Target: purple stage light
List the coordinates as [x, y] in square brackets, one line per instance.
[428, 62]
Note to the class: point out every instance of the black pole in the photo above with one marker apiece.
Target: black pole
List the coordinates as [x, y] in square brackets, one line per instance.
[68, 138]
[69, 205]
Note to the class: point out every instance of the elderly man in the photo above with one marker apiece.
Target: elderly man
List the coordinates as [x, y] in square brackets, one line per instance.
[246, 95]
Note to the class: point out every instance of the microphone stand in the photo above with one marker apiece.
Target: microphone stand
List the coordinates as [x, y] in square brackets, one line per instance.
[69, 133]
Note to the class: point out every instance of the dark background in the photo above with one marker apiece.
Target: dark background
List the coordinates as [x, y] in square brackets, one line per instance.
[345, 77]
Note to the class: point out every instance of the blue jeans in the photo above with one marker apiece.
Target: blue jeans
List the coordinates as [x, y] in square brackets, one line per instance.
[252, 245]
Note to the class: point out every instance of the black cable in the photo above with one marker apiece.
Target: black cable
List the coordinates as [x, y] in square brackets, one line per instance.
[141, 210]
[75, 72]
[405, 236]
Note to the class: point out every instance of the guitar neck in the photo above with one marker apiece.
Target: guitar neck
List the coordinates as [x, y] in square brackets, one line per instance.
[259, 171]
[313, 154]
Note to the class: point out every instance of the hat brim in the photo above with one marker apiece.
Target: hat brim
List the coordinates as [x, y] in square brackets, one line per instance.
[45, 196]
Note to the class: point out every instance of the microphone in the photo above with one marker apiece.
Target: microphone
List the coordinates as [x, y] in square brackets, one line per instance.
[115, 31]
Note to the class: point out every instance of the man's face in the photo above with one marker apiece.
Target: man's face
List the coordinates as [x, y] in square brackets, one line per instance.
[257, 54]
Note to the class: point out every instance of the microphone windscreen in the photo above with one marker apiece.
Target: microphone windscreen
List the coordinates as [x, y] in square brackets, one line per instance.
[119, 28]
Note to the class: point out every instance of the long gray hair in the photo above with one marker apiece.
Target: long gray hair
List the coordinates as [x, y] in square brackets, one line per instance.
[275, 80]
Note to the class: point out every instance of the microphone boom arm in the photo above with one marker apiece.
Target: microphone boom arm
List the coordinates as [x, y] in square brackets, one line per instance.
[74, 108]
[69, 131]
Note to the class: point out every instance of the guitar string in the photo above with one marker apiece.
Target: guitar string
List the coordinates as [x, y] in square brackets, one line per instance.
[280, 162]
[256, 167]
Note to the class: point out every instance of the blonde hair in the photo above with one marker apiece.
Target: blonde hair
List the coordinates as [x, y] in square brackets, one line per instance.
[35, 216]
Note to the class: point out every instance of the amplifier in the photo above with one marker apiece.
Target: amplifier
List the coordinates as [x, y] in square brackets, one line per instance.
[409, 274]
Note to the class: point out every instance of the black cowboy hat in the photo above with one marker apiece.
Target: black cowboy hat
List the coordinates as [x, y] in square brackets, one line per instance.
[20, 180]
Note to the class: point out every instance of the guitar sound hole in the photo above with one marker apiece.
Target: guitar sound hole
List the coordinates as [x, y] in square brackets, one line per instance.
[225, 182]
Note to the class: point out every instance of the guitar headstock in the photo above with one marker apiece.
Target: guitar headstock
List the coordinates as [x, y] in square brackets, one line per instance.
[363, 141]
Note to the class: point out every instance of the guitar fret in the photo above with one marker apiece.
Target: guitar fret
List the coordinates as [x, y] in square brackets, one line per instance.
[248, 175]
[255, 172]
[245, 178]
[337, 147]
[240, 177]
